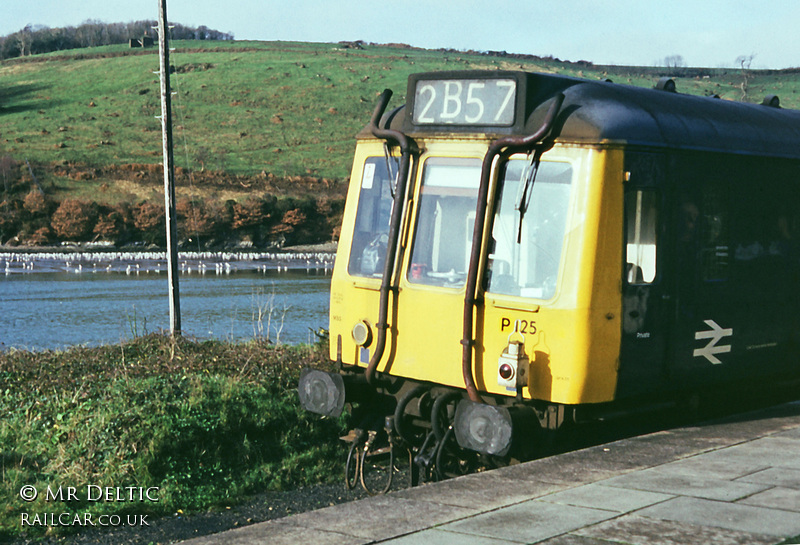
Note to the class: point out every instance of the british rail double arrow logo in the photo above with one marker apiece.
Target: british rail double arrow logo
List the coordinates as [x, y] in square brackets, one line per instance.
[715, 334]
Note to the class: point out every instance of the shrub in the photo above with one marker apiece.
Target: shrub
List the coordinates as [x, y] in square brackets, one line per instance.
[73, 219]
[11, 213]
[40, 236]
[290, 222]
[109, 225]
[248, 214]
[36, 204]
[201, 218]
[150, 221]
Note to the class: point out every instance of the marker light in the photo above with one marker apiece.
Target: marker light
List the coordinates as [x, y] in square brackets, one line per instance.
[362, 334]
[506, 371]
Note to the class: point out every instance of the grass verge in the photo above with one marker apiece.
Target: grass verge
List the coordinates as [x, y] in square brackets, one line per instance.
[206, 423]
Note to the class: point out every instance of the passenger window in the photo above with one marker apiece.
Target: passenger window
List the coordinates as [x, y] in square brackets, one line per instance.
[641, 220]
[445, 220]
[371, 233]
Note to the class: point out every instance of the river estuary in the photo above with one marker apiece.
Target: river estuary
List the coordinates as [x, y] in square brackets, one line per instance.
[52, 301]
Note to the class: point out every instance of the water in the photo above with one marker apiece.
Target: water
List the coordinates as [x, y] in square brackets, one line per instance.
[53, 303]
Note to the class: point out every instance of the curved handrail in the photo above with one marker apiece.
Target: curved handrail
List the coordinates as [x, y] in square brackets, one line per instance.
[406, 147]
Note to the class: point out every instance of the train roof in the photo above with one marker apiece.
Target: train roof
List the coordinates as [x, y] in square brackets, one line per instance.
[604, 112]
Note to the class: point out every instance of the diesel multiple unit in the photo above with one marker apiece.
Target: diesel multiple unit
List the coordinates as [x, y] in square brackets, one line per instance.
[523, 251]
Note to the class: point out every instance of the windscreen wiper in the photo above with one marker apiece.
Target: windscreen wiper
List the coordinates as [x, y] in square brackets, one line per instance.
[527, 192]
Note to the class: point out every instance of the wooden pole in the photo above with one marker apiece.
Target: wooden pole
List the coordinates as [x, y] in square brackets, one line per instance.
[169, 173]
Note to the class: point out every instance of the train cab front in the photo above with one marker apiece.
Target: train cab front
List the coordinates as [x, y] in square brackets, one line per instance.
[468, 287]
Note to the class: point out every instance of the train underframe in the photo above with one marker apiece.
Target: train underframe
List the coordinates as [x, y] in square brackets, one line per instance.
[433, 430]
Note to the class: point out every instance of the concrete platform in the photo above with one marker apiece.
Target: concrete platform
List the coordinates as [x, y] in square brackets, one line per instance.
[732, 481]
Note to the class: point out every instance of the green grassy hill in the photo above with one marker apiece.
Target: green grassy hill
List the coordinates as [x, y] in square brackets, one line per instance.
[252, 119]
[245, 107]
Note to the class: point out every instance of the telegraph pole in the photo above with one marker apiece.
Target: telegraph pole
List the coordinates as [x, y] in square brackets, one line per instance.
[169, 173]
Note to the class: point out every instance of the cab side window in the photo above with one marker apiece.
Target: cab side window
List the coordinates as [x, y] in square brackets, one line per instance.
[371, 233]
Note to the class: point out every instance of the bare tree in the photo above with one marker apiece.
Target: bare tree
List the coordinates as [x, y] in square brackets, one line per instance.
[674, 61]
[24, 40]
[745, 61]
[7, 164]
[675, 65]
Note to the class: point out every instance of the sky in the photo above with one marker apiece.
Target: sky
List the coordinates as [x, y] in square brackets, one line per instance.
[705, 33]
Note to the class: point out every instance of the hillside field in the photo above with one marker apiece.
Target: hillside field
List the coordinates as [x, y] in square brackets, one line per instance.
[253, 120]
